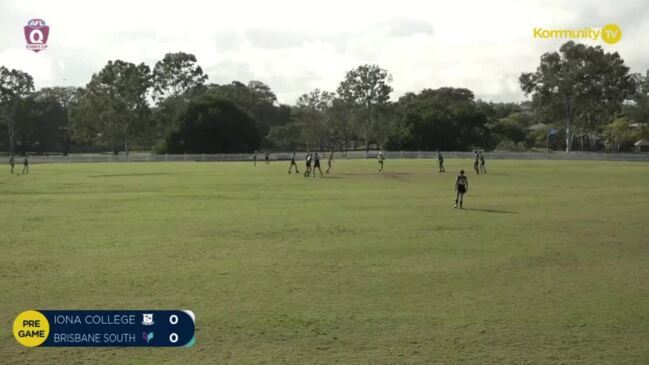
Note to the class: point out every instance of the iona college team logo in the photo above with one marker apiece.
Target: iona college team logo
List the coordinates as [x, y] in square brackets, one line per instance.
[36, 33]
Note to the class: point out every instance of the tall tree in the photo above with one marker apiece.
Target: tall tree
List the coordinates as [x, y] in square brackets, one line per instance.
[65, 97]
[14, 86]
[41, 121]
[262, 92]
[176, 74]
[175, 79]
[288, 136]
[340, 123]
[580, 84]
[445, 119]
[312, 113]
[638, 110]
[256, 99]
[211, 124]
[619, 135]
[113, 108]
[367, 87]
[319, 120]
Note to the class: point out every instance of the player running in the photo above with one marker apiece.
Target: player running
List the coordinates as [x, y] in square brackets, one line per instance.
[461, 188]
[26, 164]
[380, 158]
[330, 160]
[308, 165]
[12, 162]
[254, 159]
[440, 161]
[293, 164]
[267, 157]
[316, 165]
[483, 169]
[476, 158]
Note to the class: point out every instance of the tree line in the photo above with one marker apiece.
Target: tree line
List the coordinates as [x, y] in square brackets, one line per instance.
[580, 97]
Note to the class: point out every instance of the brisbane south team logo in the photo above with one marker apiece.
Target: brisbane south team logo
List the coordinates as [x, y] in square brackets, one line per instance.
[36, 33]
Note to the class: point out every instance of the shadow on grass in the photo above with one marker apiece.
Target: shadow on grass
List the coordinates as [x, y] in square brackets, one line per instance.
[135, 174]
[490, 211]
[388, 174]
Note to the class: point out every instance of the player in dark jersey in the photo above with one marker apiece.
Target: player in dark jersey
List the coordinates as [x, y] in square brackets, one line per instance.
[267, 158]
[461, 188]
[440, 162]
[12, 162]
[26, 164]
[483, 169]
[293, 164]
[254, 159]
[380, 158]
[476, 158]
[330, 161]
[316, 165]
[308, 165]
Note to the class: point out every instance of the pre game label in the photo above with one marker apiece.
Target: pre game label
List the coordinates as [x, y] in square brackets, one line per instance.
[149, 328]
[31, 328]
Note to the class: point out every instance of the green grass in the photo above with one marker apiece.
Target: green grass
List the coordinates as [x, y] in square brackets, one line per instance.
[549, 263]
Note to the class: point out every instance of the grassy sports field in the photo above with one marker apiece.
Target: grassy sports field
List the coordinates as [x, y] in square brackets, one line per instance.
[548, 263]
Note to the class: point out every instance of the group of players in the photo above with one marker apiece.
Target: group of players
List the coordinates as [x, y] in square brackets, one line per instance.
[313, 162]
[12, 163]
[461, 182]
[478, 162]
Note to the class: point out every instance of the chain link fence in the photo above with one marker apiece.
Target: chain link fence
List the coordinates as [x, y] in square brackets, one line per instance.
[282, 156]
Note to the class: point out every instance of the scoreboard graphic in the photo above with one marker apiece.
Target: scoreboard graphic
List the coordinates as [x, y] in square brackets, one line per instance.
[105, 328]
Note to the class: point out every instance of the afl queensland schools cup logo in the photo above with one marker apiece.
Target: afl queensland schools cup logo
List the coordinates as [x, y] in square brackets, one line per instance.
[36, 33]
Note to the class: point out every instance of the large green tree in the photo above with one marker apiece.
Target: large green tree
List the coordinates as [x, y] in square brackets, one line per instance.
[42, 122]
[340, 123]
[66, 98]
[312, 113]
[175, 79]
[211, 124]
[319, 120]
[367, 88]
[258, 100]
[15, 85]
[113, 108]
[445, 119]
[176, 74]
[620, 136]
[582, 85]
[638, 109]
[288, 136]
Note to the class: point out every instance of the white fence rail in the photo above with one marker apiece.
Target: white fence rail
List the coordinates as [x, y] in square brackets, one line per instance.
[146, 157]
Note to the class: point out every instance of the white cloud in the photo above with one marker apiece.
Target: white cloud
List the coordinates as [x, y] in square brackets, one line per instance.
[296, 46]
